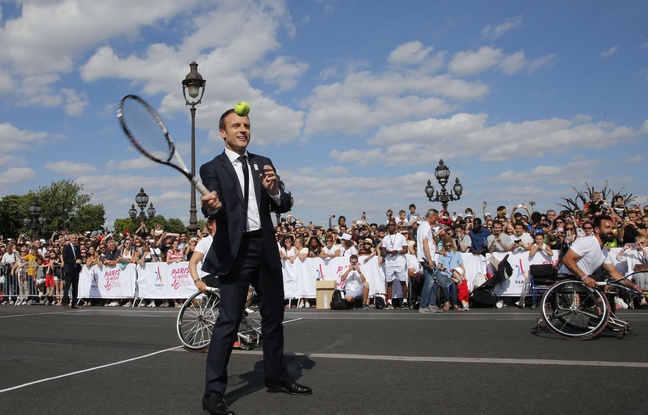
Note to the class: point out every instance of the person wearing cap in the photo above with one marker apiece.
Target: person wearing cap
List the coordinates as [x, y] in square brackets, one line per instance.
[366, 249]
[347, 247]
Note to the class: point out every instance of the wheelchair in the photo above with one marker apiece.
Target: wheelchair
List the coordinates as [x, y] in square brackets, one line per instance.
[574, 311]
[199, 313]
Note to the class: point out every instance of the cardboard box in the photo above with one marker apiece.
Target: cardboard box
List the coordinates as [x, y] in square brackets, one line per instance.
[324, 288]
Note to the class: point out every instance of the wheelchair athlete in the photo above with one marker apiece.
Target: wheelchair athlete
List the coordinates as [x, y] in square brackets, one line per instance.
[586, 255]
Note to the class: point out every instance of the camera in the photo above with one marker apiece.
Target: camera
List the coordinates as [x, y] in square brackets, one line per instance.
[517, 241]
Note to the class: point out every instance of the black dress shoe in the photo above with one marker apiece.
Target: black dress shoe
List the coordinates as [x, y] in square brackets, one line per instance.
[215, 405]
[287, 385]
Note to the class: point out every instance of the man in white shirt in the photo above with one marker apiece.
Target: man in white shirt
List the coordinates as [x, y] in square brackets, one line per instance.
[201, 249]
[394, 248]
[586, 255]
[522, 241]
[355, 284]
[497, 241]
[425, 252]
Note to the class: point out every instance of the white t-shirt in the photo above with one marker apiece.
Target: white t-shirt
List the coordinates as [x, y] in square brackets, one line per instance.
[499, 246]
[424, 231]
[633, 257]
[9, 258]
[395, 242]
[413, 262]
[348, 252]
[591, 255]
[332, 251]
[525, 238]
[352, 281]
[202, 247]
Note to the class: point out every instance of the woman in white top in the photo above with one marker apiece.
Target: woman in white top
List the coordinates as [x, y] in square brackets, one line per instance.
[301, 252]
[287, 250]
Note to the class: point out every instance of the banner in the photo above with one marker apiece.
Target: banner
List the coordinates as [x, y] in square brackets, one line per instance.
[107, 282]
[160, 280]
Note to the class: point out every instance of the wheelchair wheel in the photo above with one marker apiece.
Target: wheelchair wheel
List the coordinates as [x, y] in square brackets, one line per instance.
[196, 319]
[574, 311]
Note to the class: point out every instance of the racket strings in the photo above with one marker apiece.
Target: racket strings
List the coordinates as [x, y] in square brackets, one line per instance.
[145, 129]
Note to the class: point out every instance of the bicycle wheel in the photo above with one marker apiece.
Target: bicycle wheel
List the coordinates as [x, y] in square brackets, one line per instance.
[196, 319]
[574, 311]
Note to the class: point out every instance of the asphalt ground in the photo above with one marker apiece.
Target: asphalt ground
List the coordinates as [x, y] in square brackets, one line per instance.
[100, 360]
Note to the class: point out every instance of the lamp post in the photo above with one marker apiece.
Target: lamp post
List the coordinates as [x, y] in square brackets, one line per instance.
[442, 174]
[151, 211]
[34, 219]
[194, 85]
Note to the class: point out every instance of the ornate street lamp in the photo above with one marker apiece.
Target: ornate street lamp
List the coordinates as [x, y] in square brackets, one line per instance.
[194, 85]
[142, 200]
[34, 219]
[442, 174]
[132, 212]
[151, 211]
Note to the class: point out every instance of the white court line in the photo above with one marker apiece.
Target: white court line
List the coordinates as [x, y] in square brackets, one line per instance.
[470, 360]
[78, 372]
[87, 370]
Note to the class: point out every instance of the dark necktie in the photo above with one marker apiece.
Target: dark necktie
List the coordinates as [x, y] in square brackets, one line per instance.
[246, 179]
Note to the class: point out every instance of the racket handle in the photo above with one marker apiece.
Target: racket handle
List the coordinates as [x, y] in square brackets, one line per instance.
[201, 188]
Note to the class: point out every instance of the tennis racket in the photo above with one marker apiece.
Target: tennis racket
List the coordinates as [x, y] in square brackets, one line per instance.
[146, 131]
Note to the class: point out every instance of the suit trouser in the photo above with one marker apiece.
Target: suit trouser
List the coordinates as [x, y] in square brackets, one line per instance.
[248, 268]
[71, 279]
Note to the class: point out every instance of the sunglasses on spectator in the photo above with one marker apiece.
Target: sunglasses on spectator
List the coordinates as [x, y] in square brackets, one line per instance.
[587, 228]
[354, 263]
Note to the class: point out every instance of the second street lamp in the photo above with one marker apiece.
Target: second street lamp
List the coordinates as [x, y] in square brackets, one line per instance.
[194, 85]
[442, 174]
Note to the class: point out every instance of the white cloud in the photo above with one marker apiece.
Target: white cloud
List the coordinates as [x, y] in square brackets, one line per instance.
[471, 62]
[17, 175]
[44, 41]
[284, 71]
[70, 168]
[12, 138]
[491, 33]
[410, 53]
[469, 135]
[609, 52]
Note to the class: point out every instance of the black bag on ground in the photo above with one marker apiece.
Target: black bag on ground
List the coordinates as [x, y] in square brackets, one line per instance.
[338, 302]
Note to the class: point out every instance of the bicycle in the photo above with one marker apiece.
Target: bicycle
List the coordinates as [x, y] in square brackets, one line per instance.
[574, 311]
[199, 313]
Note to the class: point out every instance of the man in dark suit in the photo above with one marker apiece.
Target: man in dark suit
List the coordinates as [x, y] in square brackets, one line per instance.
[71, 269]
[244, 189]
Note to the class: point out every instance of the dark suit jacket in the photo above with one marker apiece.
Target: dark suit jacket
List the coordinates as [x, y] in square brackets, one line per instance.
[69, 261]
[231, 219]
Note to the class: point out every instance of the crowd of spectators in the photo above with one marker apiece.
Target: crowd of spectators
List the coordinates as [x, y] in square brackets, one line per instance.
[31, 270]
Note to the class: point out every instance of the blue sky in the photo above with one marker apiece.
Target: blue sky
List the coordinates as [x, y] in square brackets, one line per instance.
[354, 101]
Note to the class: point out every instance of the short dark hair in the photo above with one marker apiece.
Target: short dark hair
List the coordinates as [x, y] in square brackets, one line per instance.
[221, 122]
[597, 220]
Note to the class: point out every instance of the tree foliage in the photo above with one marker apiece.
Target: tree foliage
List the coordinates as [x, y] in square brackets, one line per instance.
[62, 206]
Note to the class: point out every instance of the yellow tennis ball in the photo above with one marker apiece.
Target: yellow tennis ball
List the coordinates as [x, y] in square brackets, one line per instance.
[242, 108]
